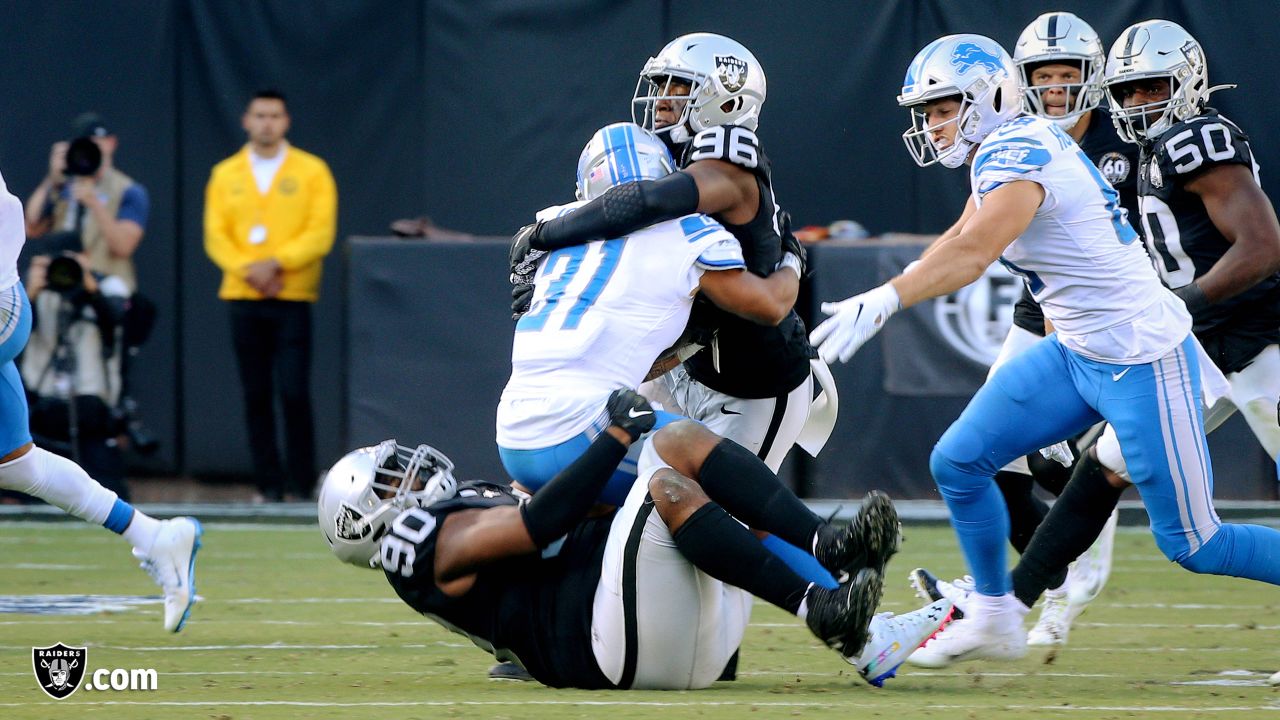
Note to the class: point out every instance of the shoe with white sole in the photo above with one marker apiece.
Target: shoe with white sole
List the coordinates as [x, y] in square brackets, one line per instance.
[930, 589]
[972, 638]
[895, 637]
[1055, 620]
[171, 562]
[1089, 573]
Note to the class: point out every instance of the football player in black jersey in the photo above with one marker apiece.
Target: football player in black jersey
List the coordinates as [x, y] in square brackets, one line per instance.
[703, 94]
[1214, 237]
[609, 600]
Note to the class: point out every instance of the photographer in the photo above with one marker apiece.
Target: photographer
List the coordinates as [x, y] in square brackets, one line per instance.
[83, 193]
[74, 352]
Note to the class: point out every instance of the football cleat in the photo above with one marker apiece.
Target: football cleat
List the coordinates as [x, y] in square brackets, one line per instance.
[868, 541]
[895, 637]
[929, 589]
[509, 671]
[1055, 620]
[1089, 573]
[171, 562]
[840, 617]
[973, 639]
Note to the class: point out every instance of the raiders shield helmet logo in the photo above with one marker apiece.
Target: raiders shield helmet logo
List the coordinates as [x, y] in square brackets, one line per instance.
[350, 524]
[732, 72]
[59, 669]
[1115, 167]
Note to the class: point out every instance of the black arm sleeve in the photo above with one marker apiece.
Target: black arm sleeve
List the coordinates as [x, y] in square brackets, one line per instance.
[565, 501]
[622, 209]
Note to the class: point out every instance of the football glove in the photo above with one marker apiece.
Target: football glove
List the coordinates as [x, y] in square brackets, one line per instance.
[853, 322]
[792, 245]
[1059, 453]
[523, 260]
[521, 298]
[630, 411]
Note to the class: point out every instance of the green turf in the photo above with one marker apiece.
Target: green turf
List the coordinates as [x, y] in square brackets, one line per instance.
[1154, 627]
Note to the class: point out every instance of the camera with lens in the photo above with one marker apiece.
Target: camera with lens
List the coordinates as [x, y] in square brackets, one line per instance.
[84, 158]
[65, 275]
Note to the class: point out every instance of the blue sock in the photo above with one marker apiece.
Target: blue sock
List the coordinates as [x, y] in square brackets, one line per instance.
[119, 518]
[800, 562]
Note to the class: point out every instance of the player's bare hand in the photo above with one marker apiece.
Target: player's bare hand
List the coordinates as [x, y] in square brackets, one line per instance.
[853, 322]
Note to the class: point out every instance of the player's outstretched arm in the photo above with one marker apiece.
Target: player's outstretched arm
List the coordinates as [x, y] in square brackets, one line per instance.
[970, 207]
[469, 540]
[1004, 215]
[1246, 218]
[621, 210]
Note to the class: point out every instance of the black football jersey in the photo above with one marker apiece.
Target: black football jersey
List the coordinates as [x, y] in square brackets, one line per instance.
[1184, 243]
[1117, 160]
[745, 359]
[532, 609]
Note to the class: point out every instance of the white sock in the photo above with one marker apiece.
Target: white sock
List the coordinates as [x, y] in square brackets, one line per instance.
[996, 610]
[59, 482]
[142, 530]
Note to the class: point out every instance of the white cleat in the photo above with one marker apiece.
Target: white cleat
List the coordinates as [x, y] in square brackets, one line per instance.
[1055, 620]
[1089, 573]
[895, 637]
[172, 564]
[929, 589]
[972, 639]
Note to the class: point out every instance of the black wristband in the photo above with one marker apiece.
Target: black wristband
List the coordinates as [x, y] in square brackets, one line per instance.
[565, 501]
[1193, 295]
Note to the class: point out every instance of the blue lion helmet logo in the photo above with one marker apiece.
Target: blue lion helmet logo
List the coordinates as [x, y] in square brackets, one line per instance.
[967, 56]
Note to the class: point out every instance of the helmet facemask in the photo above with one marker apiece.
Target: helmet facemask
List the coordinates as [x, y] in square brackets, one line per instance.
[1146, 122]
[408, 477]
[654, 87]
[1082, 97]
[968, 119]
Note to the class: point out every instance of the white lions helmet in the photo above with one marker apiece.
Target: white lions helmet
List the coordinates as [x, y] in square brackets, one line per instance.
[1156, 49]
[365, 490]
[1061, 38]
[621, 153]
[977, 71]
[727, 86]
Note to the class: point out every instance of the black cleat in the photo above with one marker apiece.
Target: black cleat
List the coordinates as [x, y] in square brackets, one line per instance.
[869, 540]
[509, 671]
[840, 617]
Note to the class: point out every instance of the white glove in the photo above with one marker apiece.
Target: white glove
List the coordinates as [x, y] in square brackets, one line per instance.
[1059, 453]
[853, 322]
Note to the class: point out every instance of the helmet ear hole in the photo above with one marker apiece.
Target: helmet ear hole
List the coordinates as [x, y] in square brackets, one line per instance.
[997, 101]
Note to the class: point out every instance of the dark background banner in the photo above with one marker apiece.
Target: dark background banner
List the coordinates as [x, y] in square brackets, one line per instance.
[474, 113]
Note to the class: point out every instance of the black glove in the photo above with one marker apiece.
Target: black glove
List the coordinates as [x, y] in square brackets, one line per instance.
[1193, 295]
[791, 244]
[630, 411]
[521, 297]
[523, 260]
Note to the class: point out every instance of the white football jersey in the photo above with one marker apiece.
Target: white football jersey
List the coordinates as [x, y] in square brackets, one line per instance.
[601, 314]
[13, 234]
[1079, 256]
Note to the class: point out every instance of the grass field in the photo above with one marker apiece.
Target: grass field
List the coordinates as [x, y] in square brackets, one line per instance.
[284, 631]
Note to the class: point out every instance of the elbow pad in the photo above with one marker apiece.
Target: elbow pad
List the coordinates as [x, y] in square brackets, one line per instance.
[621, 210]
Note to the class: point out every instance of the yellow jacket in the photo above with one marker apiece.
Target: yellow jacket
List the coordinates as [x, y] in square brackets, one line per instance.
[298, 215]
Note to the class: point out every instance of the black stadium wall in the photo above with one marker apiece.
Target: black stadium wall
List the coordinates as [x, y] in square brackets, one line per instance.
[474, 113]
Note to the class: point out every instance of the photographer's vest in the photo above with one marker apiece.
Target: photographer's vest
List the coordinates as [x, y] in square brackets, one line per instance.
[111, 188]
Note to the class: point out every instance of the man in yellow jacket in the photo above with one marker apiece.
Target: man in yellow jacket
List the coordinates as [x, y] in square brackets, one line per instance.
[269, 220]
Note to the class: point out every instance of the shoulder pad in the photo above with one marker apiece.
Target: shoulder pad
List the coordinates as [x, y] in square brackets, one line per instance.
[1200, 142]
[730, 143]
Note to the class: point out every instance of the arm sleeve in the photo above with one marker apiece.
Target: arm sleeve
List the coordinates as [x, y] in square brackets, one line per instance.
[218, 243]
[565, 501]
[317, 236]
[135, 205]
[623, 209]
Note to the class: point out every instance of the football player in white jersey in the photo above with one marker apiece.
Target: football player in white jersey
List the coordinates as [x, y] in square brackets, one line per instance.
[167, 548]
[1122, 350]
[603, 312]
